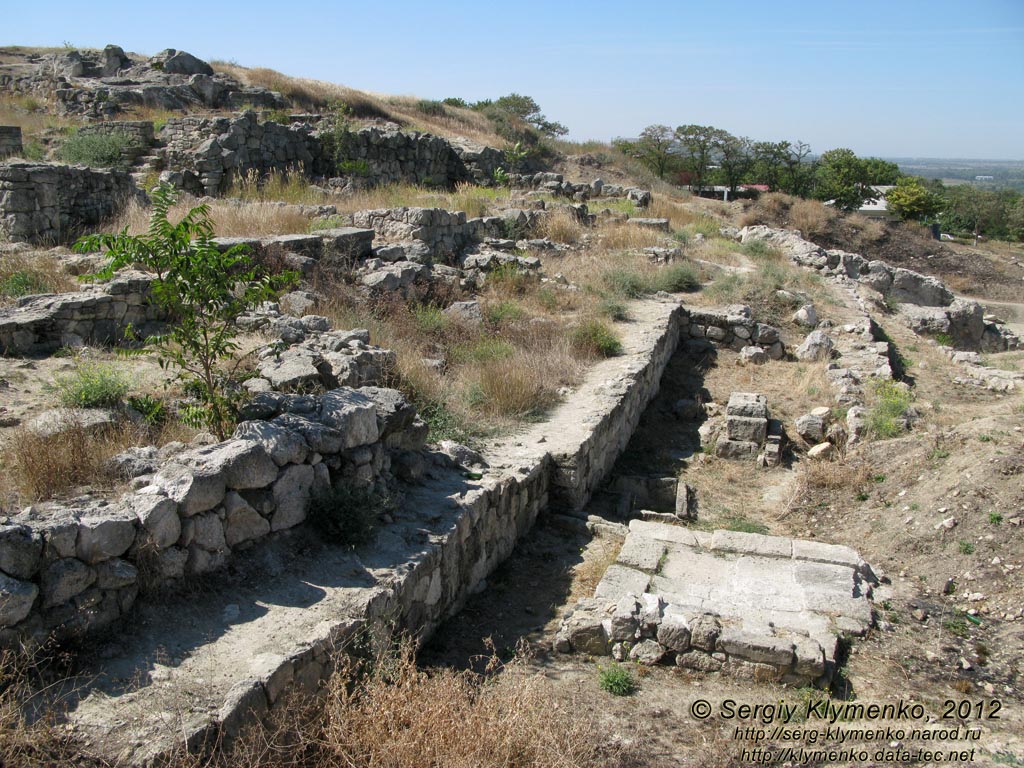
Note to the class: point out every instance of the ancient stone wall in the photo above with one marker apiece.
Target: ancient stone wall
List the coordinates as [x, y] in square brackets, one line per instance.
[98, 314]
[44, 203]
[10, 141]
[69, 568]
[924, 302]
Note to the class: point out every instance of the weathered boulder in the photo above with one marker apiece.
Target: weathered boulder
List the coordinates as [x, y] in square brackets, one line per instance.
[817, 346]
[16, 600]
[20, 550]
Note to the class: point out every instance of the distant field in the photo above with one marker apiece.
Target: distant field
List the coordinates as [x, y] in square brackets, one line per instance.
[1006, 174]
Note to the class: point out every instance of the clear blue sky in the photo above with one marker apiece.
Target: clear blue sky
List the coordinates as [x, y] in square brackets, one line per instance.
[936, 78]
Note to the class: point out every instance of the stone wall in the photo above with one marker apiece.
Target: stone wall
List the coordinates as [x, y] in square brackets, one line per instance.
[98, 314]
[10, 141]
[70, 568]
[444, 233]
[204, 154]
[43, 203]
[924, 302]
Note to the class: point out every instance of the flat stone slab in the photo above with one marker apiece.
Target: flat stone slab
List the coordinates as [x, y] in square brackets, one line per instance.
[770, 607]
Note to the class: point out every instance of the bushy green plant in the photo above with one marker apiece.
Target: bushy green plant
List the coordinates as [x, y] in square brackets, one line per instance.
[483, 350]
[431, 107]
[503, 312]
[455, 101]
[202, 289]
[95, 150]
[616, 679]
[347, 516]
[613, 309]
[91, 385]
[676, 278]
[153, 409]
[22, 283]
[595, 338]
[430, 319]
[626, 282]
[891, 402]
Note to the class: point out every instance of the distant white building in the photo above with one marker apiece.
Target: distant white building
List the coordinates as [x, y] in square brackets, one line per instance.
[984, 178]
[876, 207]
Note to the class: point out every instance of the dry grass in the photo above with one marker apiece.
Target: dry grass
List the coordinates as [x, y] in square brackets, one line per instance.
[28, 741]
[561, 226]
[625, 236]
[41, 467]
[318, 95]
[231, 218]
[490, 375]
[286, 187]
[23, 275]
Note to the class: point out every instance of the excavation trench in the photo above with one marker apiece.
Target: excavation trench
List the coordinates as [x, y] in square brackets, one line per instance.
[195, 666]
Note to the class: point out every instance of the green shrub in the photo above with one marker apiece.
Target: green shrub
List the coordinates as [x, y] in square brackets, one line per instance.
[204, 288]
[595, 338]
[944, 340]
[503, 312]
[758, 249]
[153, 409]
[431, 107]
[613, 310]
[430, 319]
[886, 417]
[676, 278]
[95, 150]
[995, 518]
[509, 279]
[455, 101]
[33, 150]
[616, 679]
[626, 282]
[347, 516]
[966, 548]
[484, 350]
[22, 283]
[92, 385]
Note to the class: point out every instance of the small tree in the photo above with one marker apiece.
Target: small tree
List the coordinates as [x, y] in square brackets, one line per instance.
[842, 179]
[655, 149]
[202, 289]
[910, 199]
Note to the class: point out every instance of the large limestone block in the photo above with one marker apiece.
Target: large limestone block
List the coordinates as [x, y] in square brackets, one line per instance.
[351, 413]
[283, 445]
[291, 496]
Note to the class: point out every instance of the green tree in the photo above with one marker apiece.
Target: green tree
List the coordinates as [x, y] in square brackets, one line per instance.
[881, 172]
[1015, 219]
[735, 159]
[911, 199]
[654, 149]
[698, 144]
[203, 290]
[973, 210]
[769, 162]
[528, 110]
[800, 172]
[842, 179]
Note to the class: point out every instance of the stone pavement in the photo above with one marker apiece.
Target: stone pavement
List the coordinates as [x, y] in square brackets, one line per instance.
[766, 607]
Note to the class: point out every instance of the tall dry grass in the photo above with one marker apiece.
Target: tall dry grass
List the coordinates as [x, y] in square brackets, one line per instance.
[26, 274]
[37, 467]
[230, 218]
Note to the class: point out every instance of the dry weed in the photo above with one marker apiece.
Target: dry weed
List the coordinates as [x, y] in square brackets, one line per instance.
[26, 274]
[561, 226]
[231, 218]
[812, 218]
[625, 236]
[44, 466]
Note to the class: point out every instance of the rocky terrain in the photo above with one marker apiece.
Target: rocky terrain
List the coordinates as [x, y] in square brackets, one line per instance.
[493, 408]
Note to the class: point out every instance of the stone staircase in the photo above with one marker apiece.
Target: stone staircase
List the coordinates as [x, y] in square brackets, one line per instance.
[152, 162]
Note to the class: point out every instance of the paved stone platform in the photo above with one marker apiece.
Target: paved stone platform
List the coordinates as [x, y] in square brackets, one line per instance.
[766, 607]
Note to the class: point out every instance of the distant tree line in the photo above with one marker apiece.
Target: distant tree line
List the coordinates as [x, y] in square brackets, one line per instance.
[702, 156]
